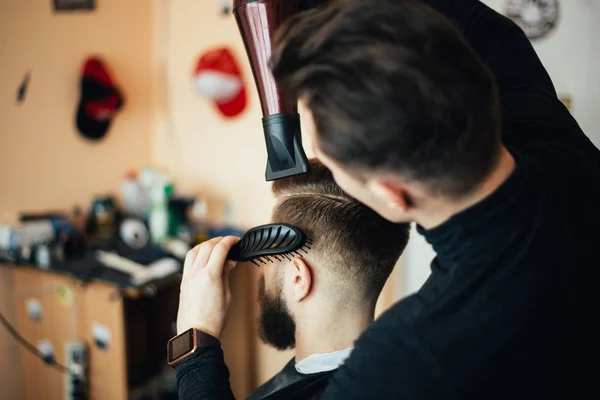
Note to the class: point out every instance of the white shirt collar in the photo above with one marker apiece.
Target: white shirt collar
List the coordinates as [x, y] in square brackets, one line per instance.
[322, 362]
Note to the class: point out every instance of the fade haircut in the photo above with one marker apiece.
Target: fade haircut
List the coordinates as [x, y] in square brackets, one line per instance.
[353, 243]
[393, 86]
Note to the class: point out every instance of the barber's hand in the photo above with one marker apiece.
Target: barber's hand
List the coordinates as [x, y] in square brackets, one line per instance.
[205, 296]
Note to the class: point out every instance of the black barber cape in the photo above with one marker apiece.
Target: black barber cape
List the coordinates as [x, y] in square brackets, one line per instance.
[511, 309]
[289, 380]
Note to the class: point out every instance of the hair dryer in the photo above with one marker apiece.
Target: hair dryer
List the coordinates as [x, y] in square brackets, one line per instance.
[257, 21]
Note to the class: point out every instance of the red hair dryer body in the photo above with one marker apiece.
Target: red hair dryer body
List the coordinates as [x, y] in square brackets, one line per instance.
[257, 21]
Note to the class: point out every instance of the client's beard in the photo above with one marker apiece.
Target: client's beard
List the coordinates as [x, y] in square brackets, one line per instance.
[275, 325]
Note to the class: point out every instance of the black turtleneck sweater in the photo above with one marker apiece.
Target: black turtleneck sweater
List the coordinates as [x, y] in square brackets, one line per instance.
[510, 309]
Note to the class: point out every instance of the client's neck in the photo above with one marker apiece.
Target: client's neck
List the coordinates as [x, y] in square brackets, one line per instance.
[330, 329]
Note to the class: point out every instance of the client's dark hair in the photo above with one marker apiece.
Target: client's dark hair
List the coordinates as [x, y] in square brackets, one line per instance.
[354, 242]
[393, 86]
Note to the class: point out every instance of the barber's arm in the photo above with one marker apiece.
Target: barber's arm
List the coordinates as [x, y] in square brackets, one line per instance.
[500, 43]
[203, 305]
[531, 111]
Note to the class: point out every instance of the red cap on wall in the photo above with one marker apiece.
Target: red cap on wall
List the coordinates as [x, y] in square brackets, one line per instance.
[218, 77]
[100, 100]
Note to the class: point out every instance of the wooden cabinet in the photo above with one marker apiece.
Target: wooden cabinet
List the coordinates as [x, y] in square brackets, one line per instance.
[69, 311]
[139, 328]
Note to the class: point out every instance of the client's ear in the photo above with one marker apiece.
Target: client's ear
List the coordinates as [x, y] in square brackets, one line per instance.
[301, 279]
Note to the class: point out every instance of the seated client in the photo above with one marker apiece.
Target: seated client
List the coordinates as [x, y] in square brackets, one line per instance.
[321, 302]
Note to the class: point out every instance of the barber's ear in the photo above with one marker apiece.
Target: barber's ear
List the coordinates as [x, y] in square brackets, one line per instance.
[394, 194]
[302, 279]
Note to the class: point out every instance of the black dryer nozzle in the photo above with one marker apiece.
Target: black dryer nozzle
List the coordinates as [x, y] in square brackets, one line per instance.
[286, 155]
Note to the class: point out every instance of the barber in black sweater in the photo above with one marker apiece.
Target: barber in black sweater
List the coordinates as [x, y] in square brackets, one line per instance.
[454, 124]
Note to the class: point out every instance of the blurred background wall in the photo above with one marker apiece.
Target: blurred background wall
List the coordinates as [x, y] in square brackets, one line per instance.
[55, 165]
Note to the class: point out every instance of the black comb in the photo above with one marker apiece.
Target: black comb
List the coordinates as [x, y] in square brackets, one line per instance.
[270, 242]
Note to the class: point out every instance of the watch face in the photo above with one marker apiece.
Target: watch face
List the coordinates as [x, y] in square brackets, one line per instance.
[535, 17]
[181, 345]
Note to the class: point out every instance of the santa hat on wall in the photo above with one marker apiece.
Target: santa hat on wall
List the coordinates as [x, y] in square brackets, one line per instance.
[100, 100]
[218, 77]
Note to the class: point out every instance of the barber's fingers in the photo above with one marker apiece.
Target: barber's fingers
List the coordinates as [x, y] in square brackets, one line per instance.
[189, 258]
[199, 255]
[205, 252]
[218, 257]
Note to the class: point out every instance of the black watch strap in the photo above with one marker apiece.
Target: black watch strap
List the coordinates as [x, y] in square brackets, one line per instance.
[204, 339]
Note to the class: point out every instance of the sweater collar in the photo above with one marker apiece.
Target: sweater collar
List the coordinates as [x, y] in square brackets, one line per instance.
[476, 234]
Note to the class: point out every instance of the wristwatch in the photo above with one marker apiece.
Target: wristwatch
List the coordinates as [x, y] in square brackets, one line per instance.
[186, 344]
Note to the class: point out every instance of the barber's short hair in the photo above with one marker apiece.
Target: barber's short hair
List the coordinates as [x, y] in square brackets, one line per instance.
[393, 86]
[354, 243]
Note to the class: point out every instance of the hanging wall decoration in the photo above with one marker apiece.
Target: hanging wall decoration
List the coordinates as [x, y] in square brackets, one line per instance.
[218, 77]
[74, 5]
[99, 101]
[22, 90]
[225, 7]
[536, 17]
